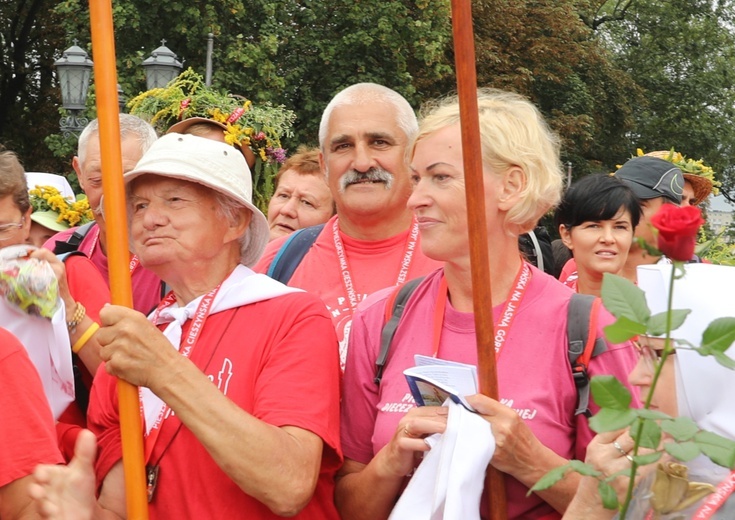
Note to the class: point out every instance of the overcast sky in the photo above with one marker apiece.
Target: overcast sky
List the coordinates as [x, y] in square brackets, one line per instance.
[719, 203]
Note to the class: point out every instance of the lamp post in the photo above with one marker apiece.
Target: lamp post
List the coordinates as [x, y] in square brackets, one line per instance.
[161, 67]
[74, 69]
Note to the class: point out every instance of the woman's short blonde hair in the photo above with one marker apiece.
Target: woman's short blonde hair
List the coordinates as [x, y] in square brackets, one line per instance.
[513, 133]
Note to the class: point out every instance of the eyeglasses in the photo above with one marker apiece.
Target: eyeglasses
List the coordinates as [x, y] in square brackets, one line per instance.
[7, 230]
[651, 356]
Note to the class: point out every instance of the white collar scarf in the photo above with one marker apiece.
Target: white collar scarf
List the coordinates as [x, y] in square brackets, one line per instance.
[242, 287]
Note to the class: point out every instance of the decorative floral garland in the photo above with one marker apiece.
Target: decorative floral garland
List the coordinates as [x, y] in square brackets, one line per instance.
[690, 166]
[259, 127]
[72, 213]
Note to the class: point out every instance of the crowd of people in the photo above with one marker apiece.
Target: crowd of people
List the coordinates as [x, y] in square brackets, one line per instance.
[254, 339]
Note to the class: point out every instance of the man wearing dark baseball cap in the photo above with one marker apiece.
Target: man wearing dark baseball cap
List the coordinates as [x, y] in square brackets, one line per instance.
[655, 182]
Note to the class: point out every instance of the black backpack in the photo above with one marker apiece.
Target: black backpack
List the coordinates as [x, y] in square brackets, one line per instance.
[584, 344]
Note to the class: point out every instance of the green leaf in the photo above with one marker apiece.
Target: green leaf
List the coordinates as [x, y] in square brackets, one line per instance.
[683, 451]
[584, 469]
[681, 428]
[608, 392]
[623, 329]
[724, 360]
[651, 433]
[657, 323]
[645, 413]
[607, 420]
[550, 478]
[719, 449]
[719, 334]
[623, 298]
[608, 495]
[648, 458]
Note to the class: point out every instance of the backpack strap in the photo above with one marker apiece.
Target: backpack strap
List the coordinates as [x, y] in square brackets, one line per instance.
[73, 242]
[582, 315]
[394, 306]
[291, 253]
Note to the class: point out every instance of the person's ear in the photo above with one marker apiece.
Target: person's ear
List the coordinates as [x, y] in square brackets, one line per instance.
[514, 181]
[566, 236]
[240, 225]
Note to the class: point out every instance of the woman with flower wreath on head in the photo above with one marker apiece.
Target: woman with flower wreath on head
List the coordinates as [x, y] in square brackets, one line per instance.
[187, 106]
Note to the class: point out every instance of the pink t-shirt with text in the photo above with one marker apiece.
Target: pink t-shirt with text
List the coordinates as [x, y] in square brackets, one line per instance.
[534, 374]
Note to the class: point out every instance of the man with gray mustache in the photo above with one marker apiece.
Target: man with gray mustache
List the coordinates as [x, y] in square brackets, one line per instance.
[372, 242]
[136, 136]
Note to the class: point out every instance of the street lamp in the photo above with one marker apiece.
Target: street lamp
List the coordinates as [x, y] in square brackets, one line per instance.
[74, 69]
[161, 67]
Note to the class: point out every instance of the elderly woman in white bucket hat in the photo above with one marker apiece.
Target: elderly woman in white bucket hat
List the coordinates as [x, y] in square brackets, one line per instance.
[240, 374]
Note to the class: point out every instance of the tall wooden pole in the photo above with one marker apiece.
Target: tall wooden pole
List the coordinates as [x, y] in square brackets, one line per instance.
[464, 56]
[105, 80]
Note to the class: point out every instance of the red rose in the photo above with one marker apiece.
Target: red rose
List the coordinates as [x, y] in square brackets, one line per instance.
[677, 230]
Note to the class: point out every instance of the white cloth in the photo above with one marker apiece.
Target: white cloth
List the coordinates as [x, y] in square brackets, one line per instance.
[703, 386]
[50, 179]
[242, 287]
[449, 482]
[47, 344]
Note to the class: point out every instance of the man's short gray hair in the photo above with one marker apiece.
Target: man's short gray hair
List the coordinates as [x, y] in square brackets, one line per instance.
[129, 126]
[371, 93]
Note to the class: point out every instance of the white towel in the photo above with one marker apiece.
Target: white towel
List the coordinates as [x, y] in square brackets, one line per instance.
[47, 344]
[449, 482]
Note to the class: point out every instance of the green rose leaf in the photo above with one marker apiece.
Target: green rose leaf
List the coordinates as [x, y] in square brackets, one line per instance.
[584, 469]
[608, 392]
[608, 495]
[720, 334]
[724, 360]
[623, 329]
[657, 323]
[556, 474]
[623, 298]
[719, 449]
[650, 433]
[607, 420]
[649, 458]
[683, 451]
[655, 415]
[681, 428]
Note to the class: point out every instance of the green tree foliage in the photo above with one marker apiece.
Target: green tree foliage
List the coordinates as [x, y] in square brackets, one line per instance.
[30, 38]
[610, 75]
[681, 54]
[544, 50]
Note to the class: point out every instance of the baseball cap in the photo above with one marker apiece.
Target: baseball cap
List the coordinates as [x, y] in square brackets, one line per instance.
[212, 164]
[651, 177]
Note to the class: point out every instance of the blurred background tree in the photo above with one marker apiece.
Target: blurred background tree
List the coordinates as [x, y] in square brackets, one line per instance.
[610, 76]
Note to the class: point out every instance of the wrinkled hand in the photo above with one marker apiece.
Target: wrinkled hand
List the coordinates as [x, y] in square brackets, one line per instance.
[408, 444]
[604, 455]
[60, 271]
[516, 447]
[68, 492]
[133, 348]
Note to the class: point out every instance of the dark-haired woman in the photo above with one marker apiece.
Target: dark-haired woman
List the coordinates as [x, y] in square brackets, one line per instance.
[596, 218]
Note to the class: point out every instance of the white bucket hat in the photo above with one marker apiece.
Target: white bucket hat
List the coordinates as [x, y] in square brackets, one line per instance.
[215, 165]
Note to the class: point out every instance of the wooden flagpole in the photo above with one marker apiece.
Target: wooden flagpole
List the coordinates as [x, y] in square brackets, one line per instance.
[464, 56]
[105, 80]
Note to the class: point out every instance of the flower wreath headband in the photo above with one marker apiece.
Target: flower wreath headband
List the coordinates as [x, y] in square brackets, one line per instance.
[69, 213]
[701, 176]
[257, 130]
